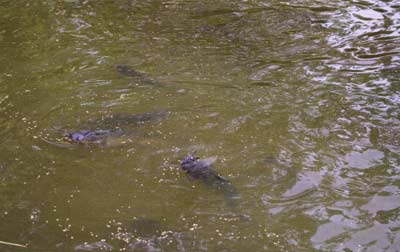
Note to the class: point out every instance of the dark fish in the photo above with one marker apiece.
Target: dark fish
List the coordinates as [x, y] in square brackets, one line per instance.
[202, 169]
[140, 77]
[126, 70]
[88, 136]
[113, 135]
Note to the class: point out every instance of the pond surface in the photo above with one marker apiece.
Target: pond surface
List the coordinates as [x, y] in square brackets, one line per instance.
[297, 102]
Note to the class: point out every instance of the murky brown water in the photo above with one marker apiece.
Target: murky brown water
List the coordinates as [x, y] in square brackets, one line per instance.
[298, 100]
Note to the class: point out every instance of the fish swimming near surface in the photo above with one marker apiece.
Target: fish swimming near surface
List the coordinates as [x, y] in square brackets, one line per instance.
[114, 132]
[95, 136]
[140, 77]
[202, 169]
[102, 138]
[127, 71]
[111, 130]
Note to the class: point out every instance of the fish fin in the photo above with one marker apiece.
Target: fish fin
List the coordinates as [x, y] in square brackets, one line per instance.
[61, 145]
[220, 178]
[210, 160]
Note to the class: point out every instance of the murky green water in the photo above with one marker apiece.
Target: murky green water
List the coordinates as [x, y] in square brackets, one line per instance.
[299, 100]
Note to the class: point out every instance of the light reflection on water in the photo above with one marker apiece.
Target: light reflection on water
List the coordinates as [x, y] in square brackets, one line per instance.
[299, 101]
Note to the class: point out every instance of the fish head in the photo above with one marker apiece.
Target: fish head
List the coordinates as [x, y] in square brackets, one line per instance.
[189, 162]
[78, 136]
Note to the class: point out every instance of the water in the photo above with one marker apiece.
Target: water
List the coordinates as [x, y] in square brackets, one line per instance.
[298, 100]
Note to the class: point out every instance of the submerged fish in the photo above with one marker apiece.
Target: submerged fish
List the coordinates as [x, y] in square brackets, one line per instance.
[111, 130]
[126, 70]
[139, 76]
[96, 136]
[202, 169]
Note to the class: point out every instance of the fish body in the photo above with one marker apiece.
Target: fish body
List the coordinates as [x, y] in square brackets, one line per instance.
[88, 135]
[116, 129]
[93, 136]
[127, 71]
[202, 170]
[140, 77]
